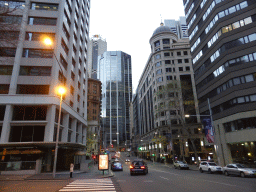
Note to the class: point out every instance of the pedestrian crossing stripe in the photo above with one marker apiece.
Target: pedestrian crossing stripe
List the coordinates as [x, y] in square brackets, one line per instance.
[100, 185]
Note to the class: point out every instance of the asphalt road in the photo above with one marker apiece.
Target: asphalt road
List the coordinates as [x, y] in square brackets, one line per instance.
[162, 178]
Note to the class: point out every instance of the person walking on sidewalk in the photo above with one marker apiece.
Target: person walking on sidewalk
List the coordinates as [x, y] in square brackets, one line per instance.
[71, 169]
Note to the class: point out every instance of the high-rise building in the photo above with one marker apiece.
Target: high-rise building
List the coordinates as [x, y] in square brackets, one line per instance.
[223, 41]
[93, 114]
[96, 46]
[115, 73]
[30, 73]
[179, 27]
[166, 91]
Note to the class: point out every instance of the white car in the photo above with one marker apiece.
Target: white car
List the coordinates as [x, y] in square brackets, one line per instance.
[210, 167]
[180, 165]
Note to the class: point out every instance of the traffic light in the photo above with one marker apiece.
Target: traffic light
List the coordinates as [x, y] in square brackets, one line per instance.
[94, 156]
[140, 148]
[153, 154]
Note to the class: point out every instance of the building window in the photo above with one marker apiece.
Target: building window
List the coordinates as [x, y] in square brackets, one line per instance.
[180, 68]
[157, 43]
[64, 46]
[62, 79]
[29, 113]
[27, 133]
[178, 53]
[186, 60]
[11, 19]
[35, 71]
[41, 21]
[37, 53]
[33, 89]
[44, 6]
[179, 61]
[187, 68]
[72, 90]
[159, 71]
[167, 54]
[185, 53]
[168, 77]
[12, 35]
[167, 62]
[63, 62]
[7, 52]
[158, 56]
[35, 36]
[166, 41]
[6, 69]
[4, 88]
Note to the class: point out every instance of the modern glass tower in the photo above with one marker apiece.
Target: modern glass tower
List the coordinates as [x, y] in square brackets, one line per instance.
[116, 76]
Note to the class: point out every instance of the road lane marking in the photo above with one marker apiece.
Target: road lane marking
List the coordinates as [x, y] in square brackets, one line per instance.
[90, 185]
[192, 177]
[149, 181]
[164, 178]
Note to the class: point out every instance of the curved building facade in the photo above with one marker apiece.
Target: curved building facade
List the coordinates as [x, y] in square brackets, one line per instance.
[223, 41]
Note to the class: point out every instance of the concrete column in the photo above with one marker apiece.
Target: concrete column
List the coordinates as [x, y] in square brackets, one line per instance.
[80, 126]
[73, 128]
[19, 50]
[49, 128]
[6, 128]
[85, 135]
[64, 137]
[222, 149]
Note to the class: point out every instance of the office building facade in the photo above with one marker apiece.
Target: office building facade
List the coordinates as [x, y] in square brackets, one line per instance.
[115, 73]
[168, 68]
[179, 27]
[96, 46]
[222, 37]
[30, 73]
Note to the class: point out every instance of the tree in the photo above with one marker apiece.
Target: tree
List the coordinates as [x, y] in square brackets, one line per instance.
[10, 20]
[90, 141]
[177, 98]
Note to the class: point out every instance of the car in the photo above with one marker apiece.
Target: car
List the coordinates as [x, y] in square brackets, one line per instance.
[239, 169]
[138, 166]
[128, 155]
[127, 160]
[116, 166]
[180, 165]
[210, 167]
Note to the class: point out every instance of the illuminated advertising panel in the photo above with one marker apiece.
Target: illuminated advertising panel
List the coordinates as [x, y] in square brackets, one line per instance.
[103, 162]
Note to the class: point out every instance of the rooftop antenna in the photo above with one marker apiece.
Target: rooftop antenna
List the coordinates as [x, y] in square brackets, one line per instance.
[161, 20]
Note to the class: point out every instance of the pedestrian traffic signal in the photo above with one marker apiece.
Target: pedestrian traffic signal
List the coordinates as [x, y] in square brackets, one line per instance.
[153, 154]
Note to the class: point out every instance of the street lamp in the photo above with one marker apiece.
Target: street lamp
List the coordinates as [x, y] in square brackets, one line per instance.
[61, 91]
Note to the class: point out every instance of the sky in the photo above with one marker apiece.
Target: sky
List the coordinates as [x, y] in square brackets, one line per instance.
[127, 25]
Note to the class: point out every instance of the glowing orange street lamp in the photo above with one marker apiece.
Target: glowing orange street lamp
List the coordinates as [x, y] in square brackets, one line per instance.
[61, 91]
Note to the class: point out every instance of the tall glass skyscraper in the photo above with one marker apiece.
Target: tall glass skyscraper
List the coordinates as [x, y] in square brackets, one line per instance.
[116, 76]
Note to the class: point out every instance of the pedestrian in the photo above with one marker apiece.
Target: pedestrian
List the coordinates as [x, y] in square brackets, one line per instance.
[71, 169]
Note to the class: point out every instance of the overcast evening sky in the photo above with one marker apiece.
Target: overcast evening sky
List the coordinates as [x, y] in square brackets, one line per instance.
[127, 25]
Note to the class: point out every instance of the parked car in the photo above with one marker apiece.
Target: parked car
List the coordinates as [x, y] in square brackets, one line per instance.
[116, 166]
[239, 169]
[138, 166]
[210, 167]
[180, 165]
[127, 160]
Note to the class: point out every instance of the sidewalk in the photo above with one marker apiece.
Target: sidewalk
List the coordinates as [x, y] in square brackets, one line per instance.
[64, 175]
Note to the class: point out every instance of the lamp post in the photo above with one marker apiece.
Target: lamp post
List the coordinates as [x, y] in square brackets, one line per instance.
[61, 91]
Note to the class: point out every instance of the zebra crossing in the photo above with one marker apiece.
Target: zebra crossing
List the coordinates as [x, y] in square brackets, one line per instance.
[93, 185]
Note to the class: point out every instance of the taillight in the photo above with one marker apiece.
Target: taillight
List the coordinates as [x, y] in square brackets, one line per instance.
[142, 167]
[114, 166]
[131, 167]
